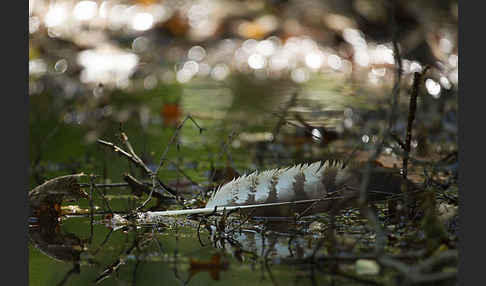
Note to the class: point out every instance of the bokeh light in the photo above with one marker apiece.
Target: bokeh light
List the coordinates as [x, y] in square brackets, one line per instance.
[85, 10]
[264, 45]
[196, 53]
[314, 60]
[300, 75]
[433, 87]
[37, 67]
[56, 15]
[142, 21]
[107, 65]
[220, 72]
[256, 61]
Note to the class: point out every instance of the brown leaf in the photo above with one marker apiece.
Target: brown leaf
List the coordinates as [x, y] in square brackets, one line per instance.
[213, 266]
[171, 112]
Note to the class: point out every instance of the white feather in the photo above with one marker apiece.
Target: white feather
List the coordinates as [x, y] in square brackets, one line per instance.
[285, 185]
[263, 186]
[238, 191]
[313, 180]
[300, 185]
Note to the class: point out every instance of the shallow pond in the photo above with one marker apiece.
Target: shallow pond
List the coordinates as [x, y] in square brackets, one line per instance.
[248, 125]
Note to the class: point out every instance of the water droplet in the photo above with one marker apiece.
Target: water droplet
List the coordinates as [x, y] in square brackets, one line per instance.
[316, 135]
[365, 138]
[61, 66]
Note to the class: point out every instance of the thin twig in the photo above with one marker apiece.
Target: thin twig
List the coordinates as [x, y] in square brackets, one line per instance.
[267, 267]
[157, 242]
[328, 196]
[282, 119]
[112, 185]
[132, 156]
[129, 146]
[105, 200]
[134, 273]
[91, 207]
[92, 185]
[173, 138]
[187, 177]
[225, 151]
[398, 140]
[417, 78]
[242, 222]
[391, 119]
[199, 232]
[116, 264]
[75, 269]
[125, 154]
[104, 242]
[306, 130]
[147, 200]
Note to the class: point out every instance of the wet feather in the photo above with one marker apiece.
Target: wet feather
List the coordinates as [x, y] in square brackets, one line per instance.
[313, 188]
[304, 182]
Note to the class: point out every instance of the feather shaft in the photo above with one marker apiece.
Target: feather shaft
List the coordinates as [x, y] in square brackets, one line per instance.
[154, 215]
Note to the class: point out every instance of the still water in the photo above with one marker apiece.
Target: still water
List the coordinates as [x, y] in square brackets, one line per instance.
[248, 125]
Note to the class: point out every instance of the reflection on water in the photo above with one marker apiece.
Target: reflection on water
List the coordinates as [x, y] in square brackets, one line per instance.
[183, 255]
[62, 246]
[251, 124]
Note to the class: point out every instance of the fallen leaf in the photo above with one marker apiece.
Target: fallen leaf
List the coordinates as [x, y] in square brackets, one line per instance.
[171, 114]
[213, 266]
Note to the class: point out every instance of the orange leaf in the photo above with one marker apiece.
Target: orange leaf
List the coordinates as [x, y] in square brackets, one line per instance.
[213, 266]
[171, 113]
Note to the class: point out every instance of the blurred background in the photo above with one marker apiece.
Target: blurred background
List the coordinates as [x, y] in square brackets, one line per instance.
[271, 82]
[233, 65]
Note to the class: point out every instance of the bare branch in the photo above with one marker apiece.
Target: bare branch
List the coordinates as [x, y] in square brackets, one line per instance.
[174, 137]
[127, 155]
[417, 79]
